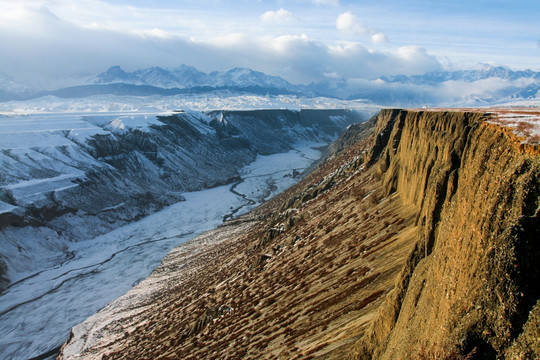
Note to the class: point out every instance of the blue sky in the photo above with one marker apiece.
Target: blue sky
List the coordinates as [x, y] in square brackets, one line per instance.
[50, 42]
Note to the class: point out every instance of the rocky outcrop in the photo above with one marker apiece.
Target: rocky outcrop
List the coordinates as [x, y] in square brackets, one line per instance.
[417, 239]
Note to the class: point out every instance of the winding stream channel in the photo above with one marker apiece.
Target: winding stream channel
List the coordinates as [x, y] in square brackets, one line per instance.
[38, 311]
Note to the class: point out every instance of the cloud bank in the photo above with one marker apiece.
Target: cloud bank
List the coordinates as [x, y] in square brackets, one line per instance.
[308, 41]
[43, 47]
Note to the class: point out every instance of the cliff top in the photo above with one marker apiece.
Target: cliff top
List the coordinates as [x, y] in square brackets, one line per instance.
[524, 122]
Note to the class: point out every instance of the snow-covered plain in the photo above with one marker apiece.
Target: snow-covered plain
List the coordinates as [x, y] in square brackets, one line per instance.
[37, 312]
[219, 100]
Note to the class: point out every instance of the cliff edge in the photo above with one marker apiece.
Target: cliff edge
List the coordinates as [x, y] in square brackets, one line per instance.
[470, 286]
[416, 238]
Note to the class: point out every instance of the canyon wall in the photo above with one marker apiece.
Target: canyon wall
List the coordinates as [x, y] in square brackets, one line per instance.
[416, 238]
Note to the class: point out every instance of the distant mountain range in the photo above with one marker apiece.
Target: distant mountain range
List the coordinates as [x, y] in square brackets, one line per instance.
[490, 84]
[185, 76]
[485, 86]
[487, 72]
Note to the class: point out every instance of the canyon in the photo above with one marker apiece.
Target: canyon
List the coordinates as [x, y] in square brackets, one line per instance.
[90, 202]
[73, 176]
[416, 237]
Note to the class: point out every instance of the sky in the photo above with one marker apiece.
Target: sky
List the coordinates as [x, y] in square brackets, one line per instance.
[51, 43]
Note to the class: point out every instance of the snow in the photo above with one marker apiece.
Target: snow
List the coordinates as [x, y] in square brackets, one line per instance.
[39, 182]
[525, 123]
[276, 169]
[125, 122]
[54, 145]
[5, 207]
[200, 121]
[19, 129]
[219, 100]
[39, 308]
[30, 191]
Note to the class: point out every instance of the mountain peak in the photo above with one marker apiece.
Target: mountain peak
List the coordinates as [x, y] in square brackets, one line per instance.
[486, 71]
[115, 70]
[185, 76]
[113, 74]
[240, 70]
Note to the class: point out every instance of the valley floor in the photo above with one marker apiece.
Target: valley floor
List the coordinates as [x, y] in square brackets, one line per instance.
[37, 311]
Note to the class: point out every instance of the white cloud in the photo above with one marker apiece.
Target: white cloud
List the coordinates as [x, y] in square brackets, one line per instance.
[43, 39]
[352, 60]
[349, 23]
[412, 53]
[280, 16]
[53, 47]
[156, 33]
[326, 2]
[227, 41]
[379, 38]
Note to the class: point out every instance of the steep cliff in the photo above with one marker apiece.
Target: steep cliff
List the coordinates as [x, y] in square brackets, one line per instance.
[417, 237]
[472, 279]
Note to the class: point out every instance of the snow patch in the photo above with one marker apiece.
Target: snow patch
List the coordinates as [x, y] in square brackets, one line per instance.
[525, 123]
[5, 207]
[127, 122]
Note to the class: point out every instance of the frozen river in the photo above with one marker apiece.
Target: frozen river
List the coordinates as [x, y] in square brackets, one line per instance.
[38, 311]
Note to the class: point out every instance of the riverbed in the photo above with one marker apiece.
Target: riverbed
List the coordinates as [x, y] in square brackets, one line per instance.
[38, 311]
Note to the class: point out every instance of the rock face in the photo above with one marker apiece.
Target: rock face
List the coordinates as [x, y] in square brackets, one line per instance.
[472, 280]
[417, 238]
[68, 186]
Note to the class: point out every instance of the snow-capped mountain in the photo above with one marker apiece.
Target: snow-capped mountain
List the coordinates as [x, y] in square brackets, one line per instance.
[486, 72]
[244, 77]
[115, 75]
[531, 91]
[181, 77]
[484, 86]
[187, 77]
[489, 85]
